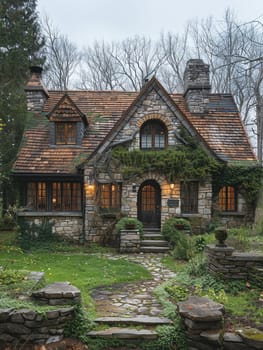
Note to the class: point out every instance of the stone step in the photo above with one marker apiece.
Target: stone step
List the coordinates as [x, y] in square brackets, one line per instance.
[139, 320]
[124, 333]
[152, 249]
[153, 236]
[154, 243]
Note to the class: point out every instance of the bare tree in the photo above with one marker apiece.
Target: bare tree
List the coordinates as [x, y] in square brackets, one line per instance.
[99, 70]
[176, 52]
[62, 58]
[120, 65]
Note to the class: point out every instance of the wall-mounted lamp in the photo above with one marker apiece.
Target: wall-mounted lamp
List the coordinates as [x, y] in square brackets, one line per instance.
[89, 186]
[134, 187]
[171, 186]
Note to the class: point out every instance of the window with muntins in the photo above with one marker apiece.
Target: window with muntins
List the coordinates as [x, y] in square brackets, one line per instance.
[227, 198]
[153, 135]
[54, 196]
[189, 197]
[65, 133]
[110, 197]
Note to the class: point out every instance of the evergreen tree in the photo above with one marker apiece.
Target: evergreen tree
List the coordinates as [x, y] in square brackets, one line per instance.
[20, 46]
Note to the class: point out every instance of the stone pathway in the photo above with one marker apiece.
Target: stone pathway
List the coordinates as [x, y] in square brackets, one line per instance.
[133, 299]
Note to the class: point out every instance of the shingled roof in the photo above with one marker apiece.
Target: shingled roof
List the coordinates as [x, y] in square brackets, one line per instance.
[219, 127]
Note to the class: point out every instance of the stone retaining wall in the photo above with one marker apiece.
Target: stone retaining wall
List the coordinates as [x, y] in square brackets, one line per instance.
[203, 321]
[130, 241]
[234, 265]
[27, 326]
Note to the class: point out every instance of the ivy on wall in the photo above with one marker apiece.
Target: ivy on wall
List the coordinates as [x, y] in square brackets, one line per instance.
[190, 162]
[184, 162]
[247, 179]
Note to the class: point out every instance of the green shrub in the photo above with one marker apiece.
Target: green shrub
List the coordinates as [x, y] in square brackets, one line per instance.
[31, 235]
[171, 230]
[123, 222]
[183, 249]
[177, 292]
[197, 266]
[7, 222]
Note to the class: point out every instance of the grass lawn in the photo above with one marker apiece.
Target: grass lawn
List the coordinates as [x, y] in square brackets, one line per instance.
[85, 271]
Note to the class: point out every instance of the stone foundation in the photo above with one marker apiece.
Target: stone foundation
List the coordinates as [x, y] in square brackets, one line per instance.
[66, 225]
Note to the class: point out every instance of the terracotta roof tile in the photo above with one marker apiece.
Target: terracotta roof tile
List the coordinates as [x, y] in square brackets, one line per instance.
[220, 128]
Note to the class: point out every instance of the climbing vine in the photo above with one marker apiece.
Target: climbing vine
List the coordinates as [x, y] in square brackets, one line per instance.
[247, 179]
[190, 162]
[183, 162]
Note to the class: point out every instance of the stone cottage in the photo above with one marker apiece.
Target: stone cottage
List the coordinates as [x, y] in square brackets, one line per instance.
[72, 167]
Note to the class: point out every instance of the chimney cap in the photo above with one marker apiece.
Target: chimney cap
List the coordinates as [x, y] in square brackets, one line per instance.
[36, 69]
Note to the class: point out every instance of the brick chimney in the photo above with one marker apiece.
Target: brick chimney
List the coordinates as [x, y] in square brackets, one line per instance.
[36, 92]
[196, 85]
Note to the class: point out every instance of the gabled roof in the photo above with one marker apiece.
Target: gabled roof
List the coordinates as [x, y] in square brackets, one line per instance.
[66, 110]
[220, 128]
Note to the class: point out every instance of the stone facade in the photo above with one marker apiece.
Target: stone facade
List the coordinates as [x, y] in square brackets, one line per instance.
[68, 226]
[153, 107]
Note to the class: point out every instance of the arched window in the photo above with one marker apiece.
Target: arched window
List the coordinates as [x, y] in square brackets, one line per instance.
[227, 198]
[153, 135]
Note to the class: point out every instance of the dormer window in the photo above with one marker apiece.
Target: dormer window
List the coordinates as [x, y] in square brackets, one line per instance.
[153, 135]
[65, 133]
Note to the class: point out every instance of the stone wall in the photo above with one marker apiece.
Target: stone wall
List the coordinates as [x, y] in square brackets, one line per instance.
[234, 265]
[130, 241]
[28, 326]
[203, 320]
[66, 225]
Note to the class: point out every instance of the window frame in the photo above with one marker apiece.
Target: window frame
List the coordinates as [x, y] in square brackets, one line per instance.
[74, 189]
[65, 134]
[227, 199]
[153, 124]
[189, 192]
[109, 197]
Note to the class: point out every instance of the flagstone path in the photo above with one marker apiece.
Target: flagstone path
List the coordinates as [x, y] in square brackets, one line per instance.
[133, 299]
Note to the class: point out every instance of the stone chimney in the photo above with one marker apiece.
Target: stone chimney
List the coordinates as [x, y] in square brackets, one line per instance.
[196, 85]
[36, 92]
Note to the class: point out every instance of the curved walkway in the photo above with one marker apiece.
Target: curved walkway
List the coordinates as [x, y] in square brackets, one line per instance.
[133, 299]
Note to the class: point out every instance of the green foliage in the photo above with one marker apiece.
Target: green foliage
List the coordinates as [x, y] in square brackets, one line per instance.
[177, 292]
[175, 231]
[183, 248]
[11, 276]
[171, 231]
[182, 162]
[7, 222]
[125, 222]
[239, 238]
[247, 179]
[20, 43]
[80, 325]
[33, 235]
[199, 243]
[197, 266]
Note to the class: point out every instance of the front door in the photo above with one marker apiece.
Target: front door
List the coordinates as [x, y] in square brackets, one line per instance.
[149, 204]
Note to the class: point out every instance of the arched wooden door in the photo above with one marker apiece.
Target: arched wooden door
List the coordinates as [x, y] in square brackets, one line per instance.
[149, 204]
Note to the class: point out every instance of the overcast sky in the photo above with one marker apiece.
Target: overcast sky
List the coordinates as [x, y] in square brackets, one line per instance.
[87, 20]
